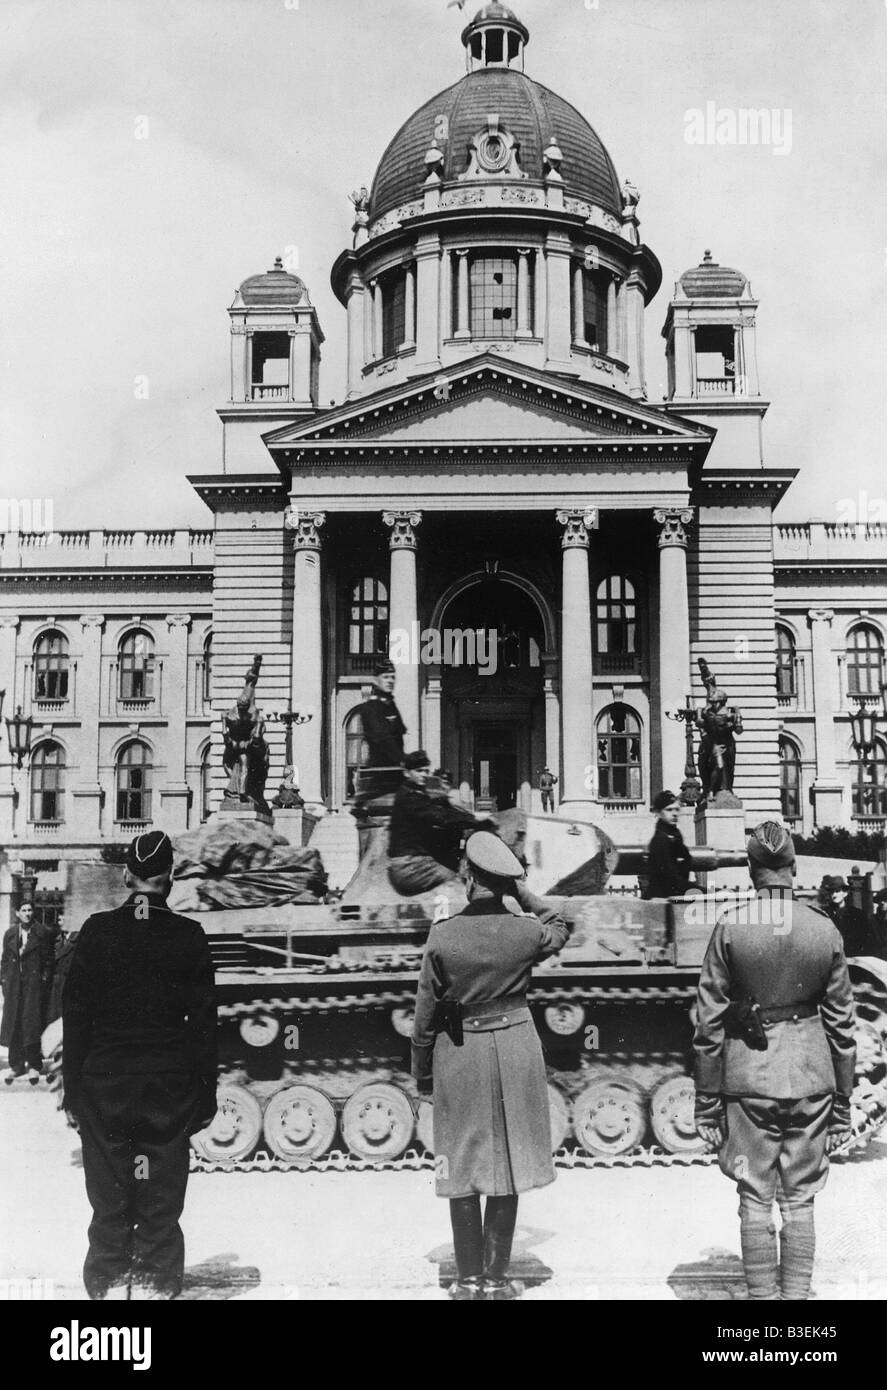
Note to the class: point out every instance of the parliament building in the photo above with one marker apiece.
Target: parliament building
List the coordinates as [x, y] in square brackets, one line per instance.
[546, 549]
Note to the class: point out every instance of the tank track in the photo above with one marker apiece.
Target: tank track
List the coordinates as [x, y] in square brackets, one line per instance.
[542, 994]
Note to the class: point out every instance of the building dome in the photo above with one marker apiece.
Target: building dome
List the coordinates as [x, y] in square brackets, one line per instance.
[276, 286]
[708, 280]
[532, 115]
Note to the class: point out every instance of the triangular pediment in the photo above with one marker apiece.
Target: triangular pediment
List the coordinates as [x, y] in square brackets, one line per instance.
[485, 401]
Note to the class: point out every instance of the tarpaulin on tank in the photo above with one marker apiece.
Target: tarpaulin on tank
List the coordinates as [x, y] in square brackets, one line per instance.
[242, 864]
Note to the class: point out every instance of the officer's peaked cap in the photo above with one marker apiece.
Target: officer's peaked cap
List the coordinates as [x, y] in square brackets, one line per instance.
[490, 855]
[150, 855]
[771, 846]
[382, 667]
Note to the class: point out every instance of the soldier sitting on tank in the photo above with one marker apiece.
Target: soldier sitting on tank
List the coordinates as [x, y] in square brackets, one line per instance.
[425, 837]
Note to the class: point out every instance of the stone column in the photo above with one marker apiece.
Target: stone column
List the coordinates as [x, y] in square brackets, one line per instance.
[367, 324]
[578, 305]
[409, 307]
[427, 303]
[576, 677]
[431, 722]
[356, 310]
[9, 625]
[612, 327]
[634, 310]
[87, 794]
[674, 639]
[553, 721]
[306, 666]
[403, 611]
[828, 793]
[377, 321]
[463, 329]
[557, 266]
[174, 795]
[523, 294]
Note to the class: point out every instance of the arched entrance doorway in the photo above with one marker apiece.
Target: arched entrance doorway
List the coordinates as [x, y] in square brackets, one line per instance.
[495, 640]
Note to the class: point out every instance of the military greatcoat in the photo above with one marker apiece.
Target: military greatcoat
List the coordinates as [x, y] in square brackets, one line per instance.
[492, 1131]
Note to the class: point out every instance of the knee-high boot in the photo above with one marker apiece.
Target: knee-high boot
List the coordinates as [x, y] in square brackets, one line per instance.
[797, 1250]
[757, 1231]
[468, 1246]
[500, 1217]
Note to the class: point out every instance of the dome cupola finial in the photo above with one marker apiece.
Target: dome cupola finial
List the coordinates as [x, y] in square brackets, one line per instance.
[495, 38]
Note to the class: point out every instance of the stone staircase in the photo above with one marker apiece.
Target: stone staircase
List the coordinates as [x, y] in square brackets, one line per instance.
[335, 839]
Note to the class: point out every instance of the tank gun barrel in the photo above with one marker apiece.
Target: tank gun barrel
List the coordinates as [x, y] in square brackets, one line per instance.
[703, 859]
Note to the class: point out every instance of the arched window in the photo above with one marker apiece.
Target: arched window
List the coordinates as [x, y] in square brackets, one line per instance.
[785, 662]
[870, 783]
[207, 667]
[865, 661]
[789, 779]
[51, 667]
[205, 784]
[619, 754]
[48, 782]
[136, 666]
[134, 775]
[368, 622]
[356, 750]
[616, 617]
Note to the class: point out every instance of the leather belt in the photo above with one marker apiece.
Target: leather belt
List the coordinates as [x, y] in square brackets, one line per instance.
[779, 1013]
[484, 1015]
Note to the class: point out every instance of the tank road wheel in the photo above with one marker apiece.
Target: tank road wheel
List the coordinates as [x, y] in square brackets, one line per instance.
[402, 1022]
[609, 1116]
[425, 1125]
[259, 1030]
[300, 1122]
[671, 1115]
[559, 1111]
[378, 1121]
[235, 1131]
[564, 1020]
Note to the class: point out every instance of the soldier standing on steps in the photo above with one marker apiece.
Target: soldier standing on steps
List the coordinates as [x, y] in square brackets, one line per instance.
[775, 1057]
[383, 727]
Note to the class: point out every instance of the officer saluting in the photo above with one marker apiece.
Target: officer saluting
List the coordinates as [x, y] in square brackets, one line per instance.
[139, 1072]
[474, 1041]
[775, 1057]
[383, 727]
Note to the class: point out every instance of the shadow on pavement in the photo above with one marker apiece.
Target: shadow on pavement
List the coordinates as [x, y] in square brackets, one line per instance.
[219, 1278]
[718, 1275]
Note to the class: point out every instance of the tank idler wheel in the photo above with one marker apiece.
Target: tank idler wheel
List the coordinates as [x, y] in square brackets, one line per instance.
[402, 1022]
[259, 1030]
[425, 1125]
[564, 1020]
[610, 1116]
[559, 1111]
[235, 1131]
[671, 1115]
[378, 1121]
[300, 1122]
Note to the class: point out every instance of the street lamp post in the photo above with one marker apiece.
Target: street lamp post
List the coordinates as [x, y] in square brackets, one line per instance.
[19, 730]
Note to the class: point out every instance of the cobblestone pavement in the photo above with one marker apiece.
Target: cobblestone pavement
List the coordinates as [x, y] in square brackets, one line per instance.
[641, 1234]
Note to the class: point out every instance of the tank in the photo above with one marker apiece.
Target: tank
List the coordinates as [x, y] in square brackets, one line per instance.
[316, 1005]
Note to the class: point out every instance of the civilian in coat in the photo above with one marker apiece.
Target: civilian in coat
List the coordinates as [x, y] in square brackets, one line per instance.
[492, 1131]
[773, 1087]
[668, 859]
[139, 1071]
[25, 973]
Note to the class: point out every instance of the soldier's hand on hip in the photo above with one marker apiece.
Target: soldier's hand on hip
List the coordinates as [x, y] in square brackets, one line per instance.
[712, 1135]
[73, 1122]
[835, 1138]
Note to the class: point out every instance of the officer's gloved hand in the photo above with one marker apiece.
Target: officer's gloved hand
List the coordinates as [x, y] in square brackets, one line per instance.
[710, 1118]
[839, 1125]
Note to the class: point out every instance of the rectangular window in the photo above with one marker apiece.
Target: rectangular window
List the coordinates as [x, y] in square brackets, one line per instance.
[393, 312]
[493, 289]
[594, 313]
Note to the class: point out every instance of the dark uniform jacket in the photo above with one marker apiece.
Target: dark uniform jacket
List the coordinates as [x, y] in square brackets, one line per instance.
[25, 979]
[668, 863]
[424, 822]
[139, 997]
[383, 730]
[777, 953]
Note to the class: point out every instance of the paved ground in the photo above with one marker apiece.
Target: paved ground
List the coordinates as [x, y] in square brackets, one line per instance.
[620, 1234]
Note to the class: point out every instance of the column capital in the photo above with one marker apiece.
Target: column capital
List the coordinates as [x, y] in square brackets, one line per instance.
[672, 522]
[305, 527]
[403, 529]
[9, 622]
[92, 620]
[178, 620]
[577, 525]
[461, 250]
[821, 615]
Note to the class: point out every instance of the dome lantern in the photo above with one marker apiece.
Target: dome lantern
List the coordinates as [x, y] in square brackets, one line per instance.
[495, 38]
